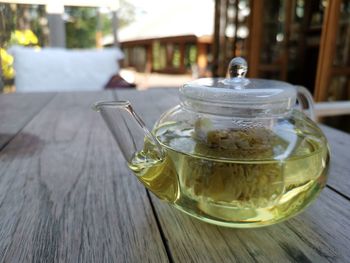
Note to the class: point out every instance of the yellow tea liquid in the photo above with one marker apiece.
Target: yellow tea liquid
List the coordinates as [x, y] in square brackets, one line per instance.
[234, 192]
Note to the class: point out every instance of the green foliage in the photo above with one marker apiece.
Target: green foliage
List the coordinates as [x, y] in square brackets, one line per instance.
[126, 13]
[39, 25]
[82, 24]
[16, 27]
[106, 23]
[25, 19]
[7, 23]
[81, 27]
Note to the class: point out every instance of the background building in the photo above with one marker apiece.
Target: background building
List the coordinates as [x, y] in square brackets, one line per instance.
[175, 38]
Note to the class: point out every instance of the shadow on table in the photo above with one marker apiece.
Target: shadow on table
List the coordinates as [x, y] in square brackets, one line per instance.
[20, 145]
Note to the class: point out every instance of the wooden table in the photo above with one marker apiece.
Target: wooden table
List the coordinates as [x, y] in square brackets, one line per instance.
[66, 195]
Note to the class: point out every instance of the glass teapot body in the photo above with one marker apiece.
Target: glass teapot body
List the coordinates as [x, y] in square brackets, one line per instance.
[237, 171]
[235, 152]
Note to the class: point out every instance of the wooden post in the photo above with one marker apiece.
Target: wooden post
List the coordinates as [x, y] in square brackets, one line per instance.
[182, 57]
[216, 39]
[169, 47]
[202, 58]
[98, 35]
[57, 37]
[2, 79]
[287, 25]
[222, 66]
[115, 27]
[327, 49]
[254, 43]
[301, 49]
[236, 23]
[149, 58]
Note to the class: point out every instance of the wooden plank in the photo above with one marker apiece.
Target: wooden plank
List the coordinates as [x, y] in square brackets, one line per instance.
[340, 160]
[66, 194]
[216, 38]
[16, 110]
[321, 234]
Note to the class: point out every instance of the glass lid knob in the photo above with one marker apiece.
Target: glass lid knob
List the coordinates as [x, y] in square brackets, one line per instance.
[238, 67]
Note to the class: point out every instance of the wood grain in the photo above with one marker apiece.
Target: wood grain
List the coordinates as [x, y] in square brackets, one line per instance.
[339, 173]
[321, 234]
[66, 194]
[18, 109]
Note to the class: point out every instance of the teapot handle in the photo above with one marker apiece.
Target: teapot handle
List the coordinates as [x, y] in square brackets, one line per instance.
[306, 101]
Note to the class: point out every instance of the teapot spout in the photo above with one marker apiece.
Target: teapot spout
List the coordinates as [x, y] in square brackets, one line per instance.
[141, 150]
[130, 132]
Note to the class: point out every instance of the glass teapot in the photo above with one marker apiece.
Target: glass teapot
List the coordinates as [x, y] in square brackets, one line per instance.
[236, 152]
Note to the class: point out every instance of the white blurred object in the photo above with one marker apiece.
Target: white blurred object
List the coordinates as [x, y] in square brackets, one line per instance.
[56, 69]
[128, 75]
[335, 108]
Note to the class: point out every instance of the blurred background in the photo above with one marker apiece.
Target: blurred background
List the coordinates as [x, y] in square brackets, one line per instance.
[166, 43]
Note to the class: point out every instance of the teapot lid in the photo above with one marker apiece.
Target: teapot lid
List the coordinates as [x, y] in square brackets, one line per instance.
[237, 94]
